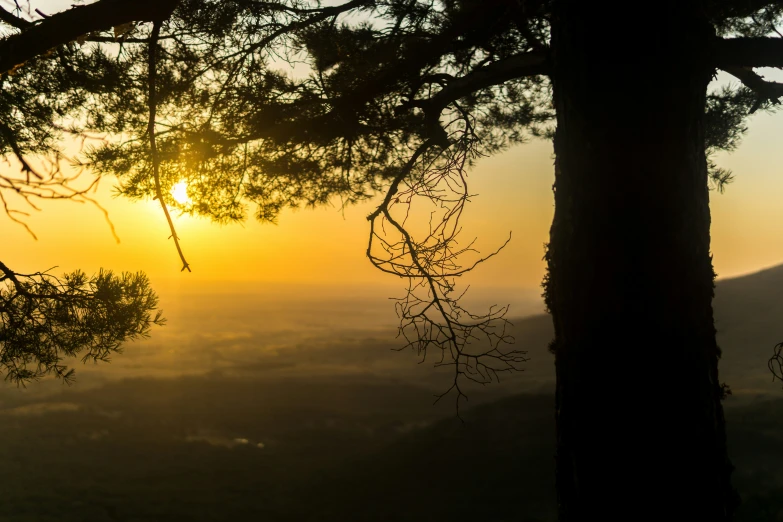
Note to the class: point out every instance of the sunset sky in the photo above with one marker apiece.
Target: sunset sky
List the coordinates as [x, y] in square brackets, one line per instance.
[325, 248]
[321, 252]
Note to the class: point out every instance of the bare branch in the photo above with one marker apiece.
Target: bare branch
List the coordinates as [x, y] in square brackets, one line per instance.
[48, 184]
[775, 362]
[11, 139]
[153, 145]
[431, 316]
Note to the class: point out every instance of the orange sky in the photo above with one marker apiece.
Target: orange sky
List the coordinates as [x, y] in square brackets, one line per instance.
[323, 247]
[307, 246]
[323, 251]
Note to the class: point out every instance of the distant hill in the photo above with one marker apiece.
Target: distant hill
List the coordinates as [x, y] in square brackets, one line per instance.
[749, 320]
[748, 317]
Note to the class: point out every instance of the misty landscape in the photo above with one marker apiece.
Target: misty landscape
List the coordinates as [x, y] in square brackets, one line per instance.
[231, 412]
[391, 260]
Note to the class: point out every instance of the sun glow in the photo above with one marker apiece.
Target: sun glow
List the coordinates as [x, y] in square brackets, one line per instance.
[180, 193]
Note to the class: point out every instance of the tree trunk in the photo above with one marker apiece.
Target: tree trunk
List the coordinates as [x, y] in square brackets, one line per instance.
[640, 427]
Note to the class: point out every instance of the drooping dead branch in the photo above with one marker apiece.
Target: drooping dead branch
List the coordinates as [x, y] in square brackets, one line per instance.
[431, 313]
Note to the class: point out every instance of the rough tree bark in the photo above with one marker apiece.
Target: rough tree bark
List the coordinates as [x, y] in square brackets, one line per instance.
[640, 427]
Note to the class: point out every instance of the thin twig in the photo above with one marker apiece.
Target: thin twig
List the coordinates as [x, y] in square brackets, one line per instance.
[431, 315]
[153, 146]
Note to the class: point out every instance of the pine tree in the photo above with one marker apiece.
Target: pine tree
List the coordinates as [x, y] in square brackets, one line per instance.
[401, 97]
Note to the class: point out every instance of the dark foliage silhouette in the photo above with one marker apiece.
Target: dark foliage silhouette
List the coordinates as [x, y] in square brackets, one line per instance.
[268, 105]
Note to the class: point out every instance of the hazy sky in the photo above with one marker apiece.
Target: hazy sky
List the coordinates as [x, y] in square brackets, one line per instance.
[323, 246]
[324, 250]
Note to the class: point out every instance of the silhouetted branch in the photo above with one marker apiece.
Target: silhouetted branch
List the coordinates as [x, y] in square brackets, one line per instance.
[11, 140]
[51, 185]
[13, 20]
[720, 9]
[766, 91]
[530, 63]
[775, 362]
[326, 10]
[69, 25]
[748, 52]
[153, 145]
[44, 319]
[431, 316]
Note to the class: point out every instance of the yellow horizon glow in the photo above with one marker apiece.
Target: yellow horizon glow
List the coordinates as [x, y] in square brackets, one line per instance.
[325, 246]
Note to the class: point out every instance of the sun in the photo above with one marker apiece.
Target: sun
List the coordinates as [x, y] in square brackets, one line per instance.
[180, 193]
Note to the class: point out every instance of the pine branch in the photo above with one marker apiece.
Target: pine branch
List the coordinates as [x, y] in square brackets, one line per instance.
[327, 11]
[69, 25]
[721, 9]
[748, 52]
[13, 20]
[766, 91]
[516, 66]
